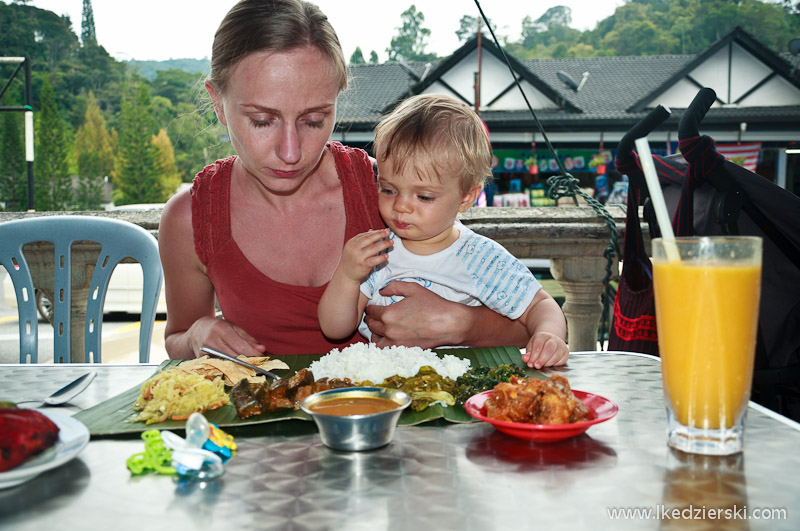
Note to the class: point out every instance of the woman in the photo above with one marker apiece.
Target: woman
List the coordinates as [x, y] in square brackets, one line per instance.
[263, 231]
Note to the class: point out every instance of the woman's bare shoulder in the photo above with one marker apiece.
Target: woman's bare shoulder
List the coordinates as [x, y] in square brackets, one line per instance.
[177, 214]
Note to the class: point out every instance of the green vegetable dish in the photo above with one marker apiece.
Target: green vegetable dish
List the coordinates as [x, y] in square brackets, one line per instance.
[480, 379]
[428, 387]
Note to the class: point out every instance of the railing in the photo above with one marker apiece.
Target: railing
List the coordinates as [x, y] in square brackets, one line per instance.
[573, 238]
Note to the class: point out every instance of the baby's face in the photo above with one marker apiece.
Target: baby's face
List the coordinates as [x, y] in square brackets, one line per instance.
[420, 208]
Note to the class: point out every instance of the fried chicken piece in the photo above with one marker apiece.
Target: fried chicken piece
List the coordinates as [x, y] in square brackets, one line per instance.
[278, 396]
[557, 404]
[535, 401]
[244, 400]
[299, 379]
[321, 385]
[303, 392]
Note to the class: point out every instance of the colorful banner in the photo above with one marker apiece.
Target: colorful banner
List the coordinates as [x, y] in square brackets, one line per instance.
[573, 160]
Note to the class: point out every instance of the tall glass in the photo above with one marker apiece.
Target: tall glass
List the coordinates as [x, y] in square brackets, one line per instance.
[707, 317]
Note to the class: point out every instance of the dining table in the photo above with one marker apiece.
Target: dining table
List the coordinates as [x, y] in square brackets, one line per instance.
[438, 475]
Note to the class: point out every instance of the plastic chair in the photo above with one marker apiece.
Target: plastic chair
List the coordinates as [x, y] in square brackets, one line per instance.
[118, 240]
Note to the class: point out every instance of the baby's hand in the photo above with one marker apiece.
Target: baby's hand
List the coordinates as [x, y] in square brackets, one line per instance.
[362, 252]
[545, 350]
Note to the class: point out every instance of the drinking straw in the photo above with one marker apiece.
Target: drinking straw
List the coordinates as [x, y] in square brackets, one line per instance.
[657, 197]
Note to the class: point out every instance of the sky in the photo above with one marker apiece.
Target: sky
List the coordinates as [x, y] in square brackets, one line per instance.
[177, 29]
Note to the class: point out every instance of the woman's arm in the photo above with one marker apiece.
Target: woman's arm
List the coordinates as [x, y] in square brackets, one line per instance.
[427, 320]
[191, 323]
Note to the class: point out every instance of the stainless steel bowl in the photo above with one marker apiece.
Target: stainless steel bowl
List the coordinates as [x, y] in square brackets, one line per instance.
[357, 432]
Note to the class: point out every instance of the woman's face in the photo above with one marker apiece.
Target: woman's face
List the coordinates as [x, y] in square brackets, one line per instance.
[280, 108]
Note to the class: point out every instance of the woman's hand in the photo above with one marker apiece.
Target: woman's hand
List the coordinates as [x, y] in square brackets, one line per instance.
[219, 334]
[545, 350]
[426, 320]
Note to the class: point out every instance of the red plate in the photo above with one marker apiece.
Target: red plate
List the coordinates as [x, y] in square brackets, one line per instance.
[600, 410]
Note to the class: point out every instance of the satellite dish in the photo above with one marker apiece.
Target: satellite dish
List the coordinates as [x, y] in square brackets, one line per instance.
[567, 80]
[794, 46]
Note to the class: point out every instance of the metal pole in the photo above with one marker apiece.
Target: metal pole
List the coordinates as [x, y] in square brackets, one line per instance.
[478, 74]
[29, 132]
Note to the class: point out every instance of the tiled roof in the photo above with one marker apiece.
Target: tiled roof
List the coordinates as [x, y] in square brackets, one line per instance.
[613, 84]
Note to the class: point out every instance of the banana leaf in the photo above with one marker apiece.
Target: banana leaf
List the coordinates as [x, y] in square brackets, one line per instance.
[114, 416]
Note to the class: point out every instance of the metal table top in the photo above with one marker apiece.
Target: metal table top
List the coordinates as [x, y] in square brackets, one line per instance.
[432, 476]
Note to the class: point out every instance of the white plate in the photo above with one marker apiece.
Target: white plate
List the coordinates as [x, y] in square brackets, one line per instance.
[72, 437]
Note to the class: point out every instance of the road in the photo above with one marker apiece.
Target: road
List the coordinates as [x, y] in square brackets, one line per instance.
[120, 343]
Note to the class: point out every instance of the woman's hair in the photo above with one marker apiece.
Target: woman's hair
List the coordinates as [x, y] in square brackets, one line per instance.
[272, 26]
[448, 131]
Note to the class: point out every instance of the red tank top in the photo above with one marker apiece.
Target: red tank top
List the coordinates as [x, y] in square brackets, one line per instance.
[282, 317]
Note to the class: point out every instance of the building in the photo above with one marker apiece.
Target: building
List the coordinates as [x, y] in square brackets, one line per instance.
[586, 105]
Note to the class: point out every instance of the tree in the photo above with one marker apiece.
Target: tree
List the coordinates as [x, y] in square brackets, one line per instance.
[373, 57]
[13, 171]
[137, 176]
[94, 152]
[176, 85]
[166, 163]
[468, 27]
[88, 35]
[358, 57]
[53, 183]
[551, 31]
[410, 42]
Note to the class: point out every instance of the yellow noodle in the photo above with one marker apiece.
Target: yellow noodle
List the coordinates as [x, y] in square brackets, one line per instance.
[176, 394]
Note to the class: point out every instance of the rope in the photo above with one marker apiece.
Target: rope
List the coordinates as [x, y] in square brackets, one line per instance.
[565, 185]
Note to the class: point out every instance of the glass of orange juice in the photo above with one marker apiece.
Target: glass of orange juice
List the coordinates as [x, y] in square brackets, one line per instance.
[707, 294]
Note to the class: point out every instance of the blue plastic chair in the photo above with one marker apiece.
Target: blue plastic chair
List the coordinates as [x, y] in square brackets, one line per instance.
[118, 239]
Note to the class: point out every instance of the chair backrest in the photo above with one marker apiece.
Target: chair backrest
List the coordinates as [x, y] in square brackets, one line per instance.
[118, 240]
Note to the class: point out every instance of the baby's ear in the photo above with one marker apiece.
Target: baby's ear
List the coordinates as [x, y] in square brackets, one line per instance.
[469, 198]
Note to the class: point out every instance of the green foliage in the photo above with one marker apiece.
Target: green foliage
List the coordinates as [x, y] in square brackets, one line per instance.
[13, 168]
[138, 177]
[53, 184]
[373, 57]
[358, 57]
[177, 85]
[650, 27]
[94, 149]
[196, 139]
[88, 35]
[468, 27]
[412, 38]
[165, 161]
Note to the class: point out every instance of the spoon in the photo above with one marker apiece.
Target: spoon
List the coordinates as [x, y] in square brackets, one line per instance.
[225, 356]
[66, 393]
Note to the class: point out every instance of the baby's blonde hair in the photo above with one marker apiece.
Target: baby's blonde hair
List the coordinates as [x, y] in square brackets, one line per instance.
[447, 130]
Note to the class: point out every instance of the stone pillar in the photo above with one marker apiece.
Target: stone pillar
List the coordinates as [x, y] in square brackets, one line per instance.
[582, 282]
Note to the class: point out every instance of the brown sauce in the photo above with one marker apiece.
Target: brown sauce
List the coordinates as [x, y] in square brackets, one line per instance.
[353, 405]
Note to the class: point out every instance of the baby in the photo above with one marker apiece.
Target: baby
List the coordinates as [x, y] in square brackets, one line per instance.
[433, 158]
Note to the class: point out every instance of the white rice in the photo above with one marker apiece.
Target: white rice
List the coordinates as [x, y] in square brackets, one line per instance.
[362, 362]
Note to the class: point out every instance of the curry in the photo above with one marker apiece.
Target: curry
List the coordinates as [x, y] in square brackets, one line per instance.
[353, 405]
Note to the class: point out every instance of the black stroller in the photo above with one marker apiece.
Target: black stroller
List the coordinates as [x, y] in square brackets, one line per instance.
[708, 195]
